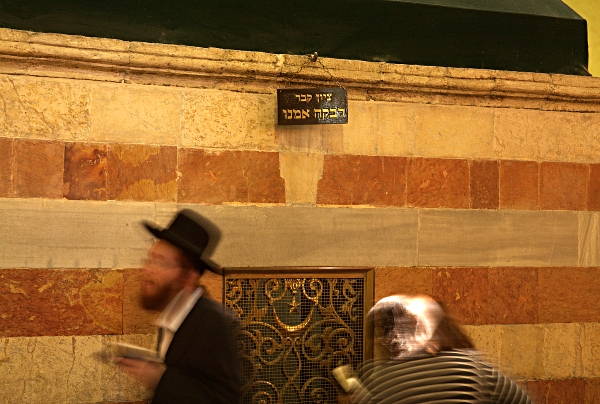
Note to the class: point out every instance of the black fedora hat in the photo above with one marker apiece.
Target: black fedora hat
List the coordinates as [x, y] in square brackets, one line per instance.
[193, 234]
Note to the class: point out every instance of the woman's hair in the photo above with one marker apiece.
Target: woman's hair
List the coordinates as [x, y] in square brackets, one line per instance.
[448, 335]
[409, 325]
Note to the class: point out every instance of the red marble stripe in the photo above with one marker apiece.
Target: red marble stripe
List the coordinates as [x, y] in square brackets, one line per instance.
[38, 168]
[363, 180]
[6, 168]
[484, 176]
[394, 280]
[512, 296]
[594, 190]
[230, 176]
[567, 391]
[519, 185]
[567, 295]
[563, 186]
[142, 173]
[85, 171]
[39, 302]
[464, 293]
[437, 183]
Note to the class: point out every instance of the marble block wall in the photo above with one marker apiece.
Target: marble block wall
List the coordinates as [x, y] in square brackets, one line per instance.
[480, 188]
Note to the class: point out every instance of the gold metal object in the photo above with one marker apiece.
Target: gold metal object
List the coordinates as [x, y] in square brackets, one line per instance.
[297, 325]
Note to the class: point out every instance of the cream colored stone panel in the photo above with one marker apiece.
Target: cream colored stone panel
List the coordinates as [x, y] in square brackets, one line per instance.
[487, 339]
[311, 138]
[562, 351]
[589, 239]
[14, 35]
[65, 370]
[454, 131]
[590, 345]
[546, 135]
[115, 384]
[230, 120]
[50, 370]
[301, 172]
[497, 238]
[200, 54]
[380, 128]
[44, 108]
[521, 351]
[130, 113]
[37, 233]
[79, 41]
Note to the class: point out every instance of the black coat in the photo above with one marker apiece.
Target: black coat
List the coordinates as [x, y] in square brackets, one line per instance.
[202, 363]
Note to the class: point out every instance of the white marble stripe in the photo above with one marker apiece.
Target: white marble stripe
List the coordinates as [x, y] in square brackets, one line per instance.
[76, 234]
[79, 234]
[497, 238]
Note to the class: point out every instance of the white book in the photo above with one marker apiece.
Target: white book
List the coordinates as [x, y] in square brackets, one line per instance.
[125, 350]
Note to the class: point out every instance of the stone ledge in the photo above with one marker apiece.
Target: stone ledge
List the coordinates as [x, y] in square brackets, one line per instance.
[58, 55]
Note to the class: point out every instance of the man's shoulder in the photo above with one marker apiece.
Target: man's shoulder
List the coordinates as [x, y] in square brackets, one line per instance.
[209, 307]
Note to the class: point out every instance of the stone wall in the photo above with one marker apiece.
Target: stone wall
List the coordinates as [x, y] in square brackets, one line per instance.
[480, 188]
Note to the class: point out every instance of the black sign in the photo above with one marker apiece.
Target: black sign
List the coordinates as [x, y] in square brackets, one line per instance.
[310, 106]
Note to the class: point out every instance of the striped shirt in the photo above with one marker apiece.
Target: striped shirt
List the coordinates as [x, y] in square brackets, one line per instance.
[457, 376]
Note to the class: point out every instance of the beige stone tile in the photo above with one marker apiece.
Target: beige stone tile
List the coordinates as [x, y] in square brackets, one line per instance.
[184, 52]
[311, 138]
[487, 339]
[589, 239]
[7, 34]
[131, 113]
[228, 120]
[510, 135]
[546, 135]
[521, 350]
[497, 238]
[44, 108]
[562, 351]
[115, 384]
[590, 349]
[50, 370]
[380, 128]
[586, 138]
[37, 233]
[301, 172]
[454, 131]
[82, 42]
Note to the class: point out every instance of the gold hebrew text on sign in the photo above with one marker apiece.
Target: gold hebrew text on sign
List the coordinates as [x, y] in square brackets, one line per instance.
[312, 106]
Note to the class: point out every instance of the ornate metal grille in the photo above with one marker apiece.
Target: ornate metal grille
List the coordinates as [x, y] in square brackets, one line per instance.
[296, 328]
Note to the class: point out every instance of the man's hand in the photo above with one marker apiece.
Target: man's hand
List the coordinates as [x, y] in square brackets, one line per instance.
[148, 373]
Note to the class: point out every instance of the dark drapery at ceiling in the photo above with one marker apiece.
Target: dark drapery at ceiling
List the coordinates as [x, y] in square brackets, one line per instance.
[522, 35]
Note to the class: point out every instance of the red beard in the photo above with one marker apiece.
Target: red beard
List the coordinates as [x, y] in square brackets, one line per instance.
[159, 298]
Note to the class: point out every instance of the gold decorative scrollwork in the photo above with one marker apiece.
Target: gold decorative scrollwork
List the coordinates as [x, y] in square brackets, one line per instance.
[294, 332]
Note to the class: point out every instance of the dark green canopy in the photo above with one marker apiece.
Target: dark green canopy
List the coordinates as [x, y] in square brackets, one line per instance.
[522, 35]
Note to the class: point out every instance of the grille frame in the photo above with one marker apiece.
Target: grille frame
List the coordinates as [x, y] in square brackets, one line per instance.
[298, 288]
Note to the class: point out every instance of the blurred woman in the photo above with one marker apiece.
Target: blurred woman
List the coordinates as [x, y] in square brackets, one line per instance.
[428, 359]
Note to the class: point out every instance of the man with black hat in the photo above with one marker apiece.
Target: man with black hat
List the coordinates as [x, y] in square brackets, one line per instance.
[196, 337]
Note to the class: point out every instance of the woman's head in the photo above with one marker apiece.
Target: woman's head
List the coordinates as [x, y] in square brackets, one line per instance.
[407, 325]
